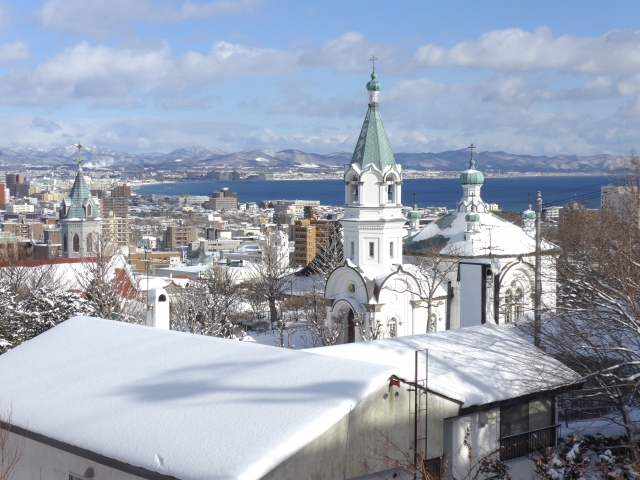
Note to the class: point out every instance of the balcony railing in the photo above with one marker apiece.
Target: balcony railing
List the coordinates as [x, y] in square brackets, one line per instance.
[522, 444]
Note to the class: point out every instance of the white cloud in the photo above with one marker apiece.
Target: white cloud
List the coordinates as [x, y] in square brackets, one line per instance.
[514, 49]
[347, 53]
[86, 72]
[99, 18]
[11, 52]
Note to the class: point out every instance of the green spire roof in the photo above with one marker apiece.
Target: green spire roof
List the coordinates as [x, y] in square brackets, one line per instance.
[373, 145]
[79, 192]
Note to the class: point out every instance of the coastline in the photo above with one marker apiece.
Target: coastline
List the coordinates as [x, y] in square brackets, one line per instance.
[408, 175]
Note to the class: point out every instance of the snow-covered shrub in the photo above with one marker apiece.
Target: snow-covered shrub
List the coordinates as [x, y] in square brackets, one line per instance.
[24, 318]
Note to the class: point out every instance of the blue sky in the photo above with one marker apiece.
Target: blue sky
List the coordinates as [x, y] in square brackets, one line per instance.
[527, 77]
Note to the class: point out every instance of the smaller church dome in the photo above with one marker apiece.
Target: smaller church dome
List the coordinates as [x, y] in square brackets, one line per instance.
[529, 214]
[373, 85]
[414, 215]
[471, 176]
[473, 215]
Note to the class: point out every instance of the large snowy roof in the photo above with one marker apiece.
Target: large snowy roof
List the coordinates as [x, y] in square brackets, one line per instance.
[497, 235]
[476, 365]
[185, 405]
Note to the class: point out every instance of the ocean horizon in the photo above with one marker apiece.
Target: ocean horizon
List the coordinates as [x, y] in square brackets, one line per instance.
[508, 193]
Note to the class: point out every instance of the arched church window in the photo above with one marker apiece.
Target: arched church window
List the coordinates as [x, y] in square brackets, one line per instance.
[64, 244]
[88, 210]
[76, 243]
[393, 327]
[390, 192]
[351, 287]
[518, 306]
[356, 192]
[89, 243]
[508, 303]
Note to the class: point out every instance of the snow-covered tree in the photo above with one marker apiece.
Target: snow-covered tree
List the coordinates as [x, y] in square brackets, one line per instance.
[596, 328]
[209, 306]
[270, 276]
[24, 318]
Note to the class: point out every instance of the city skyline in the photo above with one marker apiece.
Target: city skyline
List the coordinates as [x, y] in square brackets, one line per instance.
[525, 77]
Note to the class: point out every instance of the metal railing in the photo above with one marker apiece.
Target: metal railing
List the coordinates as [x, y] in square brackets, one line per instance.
[522, 444]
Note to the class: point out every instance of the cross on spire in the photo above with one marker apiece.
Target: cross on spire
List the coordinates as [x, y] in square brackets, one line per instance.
[472, 162]
[79, 147]
[373, 60]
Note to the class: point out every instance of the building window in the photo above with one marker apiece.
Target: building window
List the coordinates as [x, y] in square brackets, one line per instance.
[391, 250]
[76, 243]
[371, 249]
[393, 327]
[513, 303]
[353, 250]
[89, 243]
[390, 192]
[355, 193]
[527, 427]
[88, 210]
[64, 243]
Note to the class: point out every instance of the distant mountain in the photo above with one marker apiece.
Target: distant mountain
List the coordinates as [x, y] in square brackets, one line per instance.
[212, 157]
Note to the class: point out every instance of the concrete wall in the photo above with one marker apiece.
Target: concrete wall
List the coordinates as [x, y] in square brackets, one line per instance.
[42, 462]
[359, 443]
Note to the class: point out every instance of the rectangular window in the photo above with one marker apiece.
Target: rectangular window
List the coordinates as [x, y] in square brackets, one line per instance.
[353, 249]
[391, 250]
[371, 249]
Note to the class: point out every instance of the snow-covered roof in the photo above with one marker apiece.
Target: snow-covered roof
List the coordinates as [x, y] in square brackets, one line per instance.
[503, 238]
[476, 365]
[185, 405]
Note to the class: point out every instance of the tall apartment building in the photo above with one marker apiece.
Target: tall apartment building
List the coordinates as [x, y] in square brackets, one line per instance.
[619, 200]
[121, 191]
[13, 179]
[309, 234]
[114, 206]
[223, 200]
[115, 229]
[3, 196]
[178, 236]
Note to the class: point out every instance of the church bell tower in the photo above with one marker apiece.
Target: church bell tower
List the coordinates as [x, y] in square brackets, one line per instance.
[373, 222]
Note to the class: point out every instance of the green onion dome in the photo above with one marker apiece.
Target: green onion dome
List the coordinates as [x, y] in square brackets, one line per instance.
[529, 214]
[472, 176]
[414, 214]
[373, 85]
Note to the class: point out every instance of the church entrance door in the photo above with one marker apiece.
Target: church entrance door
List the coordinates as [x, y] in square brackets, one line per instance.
[351, 328]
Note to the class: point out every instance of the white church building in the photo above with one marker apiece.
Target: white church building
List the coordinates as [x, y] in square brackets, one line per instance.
[375, 295]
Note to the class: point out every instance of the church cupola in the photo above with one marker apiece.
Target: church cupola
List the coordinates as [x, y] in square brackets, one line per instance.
[471, 181]
[529, 220]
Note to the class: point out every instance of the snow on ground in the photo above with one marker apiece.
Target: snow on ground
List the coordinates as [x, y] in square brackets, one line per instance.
[477, 365]
[299, 339]
[608, 428]
[210, 408]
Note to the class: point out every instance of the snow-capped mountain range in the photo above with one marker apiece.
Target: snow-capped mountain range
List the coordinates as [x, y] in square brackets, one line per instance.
[212, 157]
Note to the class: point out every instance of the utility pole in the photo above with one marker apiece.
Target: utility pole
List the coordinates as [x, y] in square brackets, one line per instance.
[537, 324]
